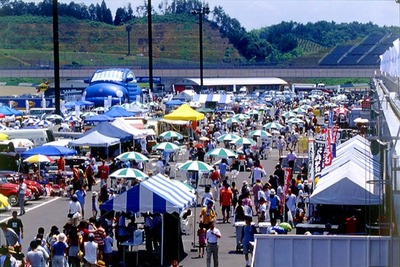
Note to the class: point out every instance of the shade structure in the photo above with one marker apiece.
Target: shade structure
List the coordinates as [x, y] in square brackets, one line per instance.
[72, 119]
[51, 151]
[231, 120]
[95, 139]
[299, 110]
[154, 195]
[60, 142]
[116, 112]
[171, 135]
[195, 165]
[260, 133]
[128, 173]
[244, 141]
[174, 102]
[79, 103]
[3, 136]
[54, 117]
[272, 125]
[295, 121]
[99, 109]
[241, 117]
[253, 112]
[227, 137]
[184, 113]
[221, 153]
[44, 123]
[30, 121]
[124, 125]
[10, 111]
[289, 114]
[99, 118]
[109, 130]
[136, 156]
[38, 158]
[89, 114]
[167, 147]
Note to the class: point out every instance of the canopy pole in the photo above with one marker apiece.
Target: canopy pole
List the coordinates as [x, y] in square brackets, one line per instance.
[162, 241]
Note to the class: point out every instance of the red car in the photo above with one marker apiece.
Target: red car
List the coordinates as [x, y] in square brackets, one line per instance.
[36, 188]
[10, 190]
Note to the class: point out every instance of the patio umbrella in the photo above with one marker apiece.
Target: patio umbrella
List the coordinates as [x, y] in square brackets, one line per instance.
[3, 127]
[241, 117]
[253, 112]
[227, 137]
[295, 121]
[204, 138]
[128, 173]
[260, 133]
[273, 125]
[44, 123]
[231, 121]
[72, 119]
[99, 109]
[171, 135]
[289, 114]
[88, 114]
[306, 107]
[167, 147]
[51, 151]
[54, 117]
[244, 141]
[299, 110]
[30, 121]
[221, 153]
[38, 158]
[136, 156]
[195, 165]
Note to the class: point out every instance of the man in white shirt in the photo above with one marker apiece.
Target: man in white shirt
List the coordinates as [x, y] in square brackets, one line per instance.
[212, 236]
[291, 203]
[90, 251]
[258, 173]
[21, 196]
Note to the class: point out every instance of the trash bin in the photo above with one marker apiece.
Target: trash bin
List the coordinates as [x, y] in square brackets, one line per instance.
[262, 227]
[239, 226]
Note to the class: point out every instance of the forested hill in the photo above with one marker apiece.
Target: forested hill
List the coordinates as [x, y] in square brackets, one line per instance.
[93, 29]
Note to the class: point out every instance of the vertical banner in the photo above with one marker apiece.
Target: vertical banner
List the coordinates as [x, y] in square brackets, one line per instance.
[311, 156]
[328, 148]
[319, 156]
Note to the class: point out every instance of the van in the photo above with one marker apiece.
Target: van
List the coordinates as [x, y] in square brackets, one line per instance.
[37, 136]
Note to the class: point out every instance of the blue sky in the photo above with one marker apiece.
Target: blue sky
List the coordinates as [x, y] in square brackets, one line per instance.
[254, 14]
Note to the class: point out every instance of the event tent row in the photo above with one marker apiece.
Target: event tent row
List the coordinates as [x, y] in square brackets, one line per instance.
[352, 179]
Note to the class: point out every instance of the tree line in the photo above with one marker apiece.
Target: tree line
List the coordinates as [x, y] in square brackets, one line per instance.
[268, 45]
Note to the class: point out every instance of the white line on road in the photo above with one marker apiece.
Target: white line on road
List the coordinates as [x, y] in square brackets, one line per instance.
[33, 208]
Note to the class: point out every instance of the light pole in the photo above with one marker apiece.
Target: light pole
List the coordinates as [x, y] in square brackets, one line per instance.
[128, 30]
[56, 53]
[201, 12]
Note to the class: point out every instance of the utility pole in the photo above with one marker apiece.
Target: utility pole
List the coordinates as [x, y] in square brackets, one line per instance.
[56, 50]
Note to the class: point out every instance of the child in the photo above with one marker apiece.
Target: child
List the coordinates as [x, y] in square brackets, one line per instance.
[201, 233]
[95, 204]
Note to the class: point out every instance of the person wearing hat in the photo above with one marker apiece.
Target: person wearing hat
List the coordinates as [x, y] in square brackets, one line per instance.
[274, 212]
[207, 214]
[59, 250]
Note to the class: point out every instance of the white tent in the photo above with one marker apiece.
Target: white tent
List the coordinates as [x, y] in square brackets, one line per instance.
[95, 139]
[350, 184]
[124, 125]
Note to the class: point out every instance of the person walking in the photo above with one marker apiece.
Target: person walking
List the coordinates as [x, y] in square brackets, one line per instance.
[35, 257]
[21, 196]
[212, 236]
[248, 232]
[90, 251]
[75, 210]
[207, 214]
[16, 224]
[59, 250]
[9, 234]
[104, 171]
[81, 195]
[225, 201]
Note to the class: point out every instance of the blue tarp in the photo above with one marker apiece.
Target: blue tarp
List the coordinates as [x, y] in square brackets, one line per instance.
[116, 112]
[107, 129]
[51, 151]
[72, 104]
[174, 103]
[10, 111]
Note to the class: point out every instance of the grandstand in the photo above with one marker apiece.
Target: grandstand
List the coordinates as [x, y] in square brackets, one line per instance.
[364, 54]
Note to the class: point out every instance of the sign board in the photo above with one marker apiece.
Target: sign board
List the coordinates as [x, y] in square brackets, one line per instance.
[147, 79]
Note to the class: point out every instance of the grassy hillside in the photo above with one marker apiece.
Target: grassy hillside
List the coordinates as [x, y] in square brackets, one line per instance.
[27, 41]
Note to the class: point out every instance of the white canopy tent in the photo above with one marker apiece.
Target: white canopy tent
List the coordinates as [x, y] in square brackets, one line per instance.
[124, 125]
[95, 139]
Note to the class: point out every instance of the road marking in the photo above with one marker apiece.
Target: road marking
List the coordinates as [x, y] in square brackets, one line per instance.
[35, 207]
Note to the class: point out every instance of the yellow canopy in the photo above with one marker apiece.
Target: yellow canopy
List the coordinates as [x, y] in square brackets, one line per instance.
[3, 136]
[184, 113]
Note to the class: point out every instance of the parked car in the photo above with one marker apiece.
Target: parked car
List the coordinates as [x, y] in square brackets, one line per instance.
[4, 204]
[10, 190]
[36, 188]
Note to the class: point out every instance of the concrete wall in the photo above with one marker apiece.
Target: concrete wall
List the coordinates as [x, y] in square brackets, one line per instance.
[327, 251]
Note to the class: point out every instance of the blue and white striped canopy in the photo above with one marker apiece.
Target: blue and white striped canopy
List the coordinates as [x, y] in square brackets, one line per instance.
[156, 194]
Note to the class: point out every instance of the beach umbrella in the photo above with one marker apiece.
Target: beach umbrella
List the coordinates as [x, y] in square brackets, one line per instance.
[305, 101]
[244, 141]
[252, 112]
[295, 121]
[54, 117]
[44, 123]
[299, 110]
[73, 113]
[227, 137]
[72, 119]
[30, 121]
[99, 109]
[195, 165]
[241, 117]
[231, 120]
[306, 107]
[89, 114]
[260, 133]
[167, 147]
[221, 153]
[289, 114]
[136, 156]
[361, 121]
[128, 173]
[171, 135]
[273, 125]
[38, 158]
[204, 138]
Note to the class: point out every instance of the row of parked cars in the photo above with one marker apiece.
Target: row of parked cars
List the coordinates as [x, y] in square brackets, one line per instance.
[9, 189]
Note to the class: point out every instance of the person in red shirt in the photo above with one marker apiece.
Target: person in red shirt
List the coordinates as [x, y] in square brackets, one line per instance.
[61, 164]
[104, 171]
[225, 200]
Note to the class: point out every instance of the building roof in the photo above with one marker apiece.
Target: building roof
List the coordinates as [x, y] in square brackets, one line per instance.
[236, 81]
